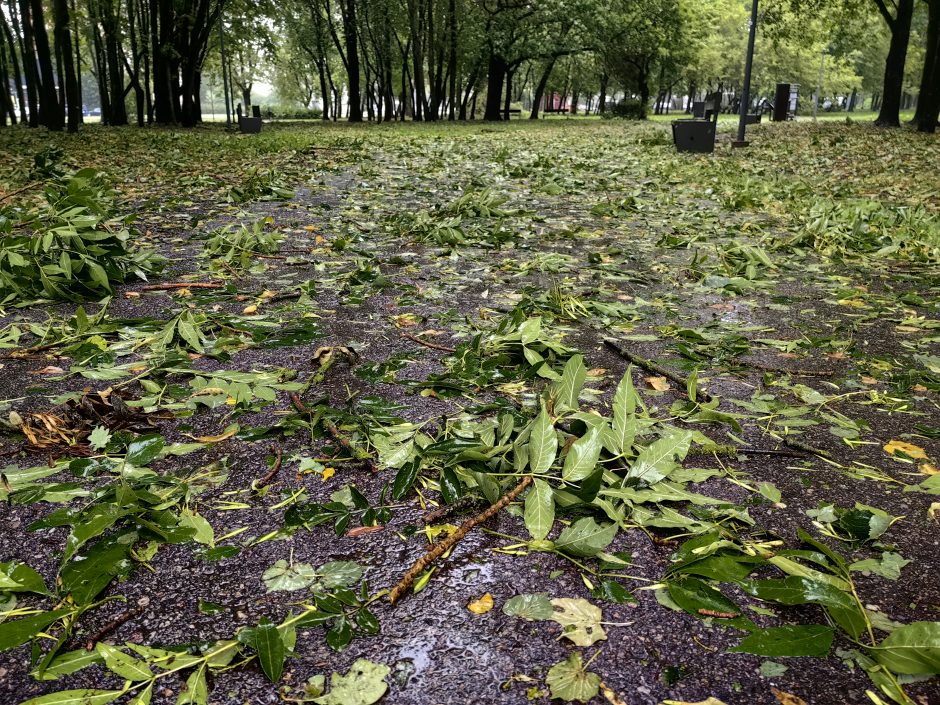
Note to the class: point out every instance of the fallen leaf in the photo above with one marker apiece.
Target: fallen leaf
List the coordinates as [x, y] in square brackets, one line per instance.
[328, 473]
[787, 698]
[131, 294]
[929, 468]
[48, 370]
[227, 433]
[908, 449]
[481, 606]
[248, 310]
[660, 384]
[363, 530]
[709, 701]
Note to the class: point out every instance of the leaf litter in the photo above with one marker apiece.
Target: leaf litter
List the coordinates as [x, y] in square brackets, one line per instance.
[738, 476]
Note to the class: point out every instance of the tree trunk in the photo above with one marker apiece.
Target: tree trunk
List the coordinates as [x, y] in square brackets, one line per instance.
[540, 89]
[602, 101]
[50, 111]
[900, 25]
[928, 106]
[63, 41]
[351, 35]
[15, 64]
[494, 87]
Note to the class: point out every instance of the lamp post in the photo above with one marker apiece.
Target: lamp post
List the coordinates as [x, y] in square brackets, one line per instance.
[746, 91]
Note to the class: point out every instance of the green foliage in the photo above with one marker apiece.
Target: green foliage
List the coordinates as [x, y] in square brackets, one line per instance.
[260, 185]
[628, 109]
[235, 246]
[74, 249]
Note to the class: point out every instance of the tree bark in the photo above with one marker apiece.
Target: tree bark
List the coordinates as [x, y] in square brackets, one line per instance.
[928, 105]
[63, 41]
[540, 89]
[900, 26]
[494, 87]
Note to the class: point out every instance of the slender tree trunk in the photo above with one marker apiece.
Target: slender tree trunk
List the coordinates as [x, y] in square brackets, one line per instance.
[540, 89]
[928, 105]
[63, 41]
[602, 101]
[452, 60]
[889, 115]
[494, 87]
[350, 33]
[15, 64]
[33, 80]
[50, 111]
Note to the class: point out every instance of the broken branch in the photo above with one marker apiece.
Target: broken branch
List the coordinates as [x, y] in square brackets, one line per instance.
[440, 548]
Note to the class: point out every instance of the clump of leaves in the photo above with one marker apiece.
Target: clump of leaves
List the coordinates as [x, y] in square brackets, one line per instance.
[73, 249]
[260, 185]
[235, 247]
[867, 227]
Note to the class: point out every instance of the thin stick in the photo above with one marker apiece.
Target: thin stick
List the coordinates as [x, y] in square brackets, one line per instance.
[180, 285]
[426, 343]
[798, 445]
[272, 473]
[358, 453]
[448, 509]
[440, 548]
[652, 366]
[111, 626]
[27, 187]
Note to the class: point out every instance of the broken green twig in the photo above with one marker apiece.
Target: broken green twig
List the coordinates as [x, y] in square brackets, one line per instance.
[653, 367]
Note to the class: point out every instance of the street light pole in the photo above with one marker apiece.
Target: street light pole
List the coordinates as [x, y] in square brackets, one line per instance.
[228, 114]
[748, 66]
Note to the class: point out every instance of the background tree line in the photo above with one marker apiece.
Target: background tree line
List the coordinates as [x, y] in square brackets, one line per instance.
[383, 60]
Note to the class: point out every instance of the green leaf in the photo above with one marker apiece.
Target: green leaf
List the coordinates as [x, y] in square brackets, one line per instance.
[196, 691]
[625, 401]
[585, 538]
[266, 640]
[539, 510]
[337, 574]
[565, 391]
[99, 437]
[583, 455]
[580, 620]
[569, 681]
[125, 666]
[543, 444]
[791, 640]
[698, 598]
[16, 576]
[83, 696]
[532, 607]
[18, 631]
[69, 662]
[405, 478]
[911, 649]
[658, 459]
[889, 566]
[282, 576]
[451, 489]
[144, 449]
[364, 684]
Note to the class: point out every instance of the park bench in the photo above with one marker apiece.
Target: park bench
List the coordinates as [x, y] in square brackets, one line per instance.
[698, 134]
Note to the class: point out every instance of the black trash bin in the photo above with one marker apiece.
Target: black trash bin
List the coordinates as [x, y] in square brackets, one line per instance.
[698, 108]
[249, 125]
[694, 135]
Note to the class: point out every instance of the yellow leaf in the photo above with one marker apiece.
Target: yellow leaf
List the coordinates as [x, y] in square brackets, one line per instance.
[660, 384]
[248, 310]
[227, 433]
[266, 294]
[481, 606]
[709, 701]
[310, 228]
[908, 449]
[929, 468]
[328, 473]
[787, 698]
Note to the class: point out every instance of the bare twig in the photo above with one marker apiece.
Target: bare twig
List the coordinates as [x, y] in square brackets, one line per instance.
[799, 445]
[180, 285]
[440, 548]
[111, 626]
[652, 366]
[272, 473]
[427, 343]
[27, 187]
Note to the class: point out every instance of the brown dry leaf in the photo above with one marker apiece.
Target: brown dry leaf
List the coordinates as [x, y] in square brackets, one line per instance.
[364, 530]
[596, 372]
[131, 294]
[869, 380]
[483, 605]
[48, 370]
[722, 307]
[660, 384]
[709, 701]
[610, 695]
[787, 698]
[908, 449]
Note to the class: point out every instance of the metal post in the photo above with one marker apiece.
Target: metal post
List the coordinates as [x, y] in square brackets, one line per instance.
[228, 114]
[748, 66]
